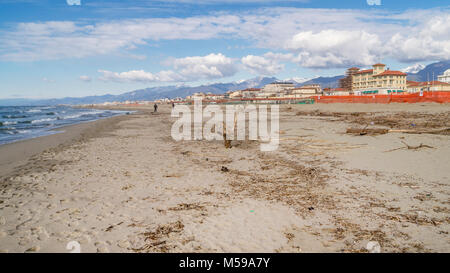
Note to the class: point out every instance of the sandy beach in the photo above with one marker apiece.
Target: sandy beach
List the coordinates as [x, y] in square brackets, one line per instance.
[124, 185]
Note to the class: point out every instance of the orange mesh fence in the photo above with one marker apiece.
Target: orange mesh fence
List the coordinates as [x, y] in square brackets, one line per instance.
[431, 96]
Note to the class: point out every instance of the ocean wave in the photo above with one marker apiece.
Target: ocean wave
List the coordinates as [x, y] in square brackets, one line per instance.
[4, 123]
[43, 120]
[25, 122]
[85, 114]
[72, 116]
[13, 116]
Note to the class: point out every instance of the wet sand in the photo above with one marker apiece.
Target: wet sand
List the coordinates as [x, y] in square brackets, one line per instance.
[17, 153]
[124, 185]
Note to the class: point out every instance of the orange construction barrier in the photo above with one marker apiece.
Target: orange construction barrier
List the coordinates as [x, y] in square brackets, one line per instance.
[429, 96]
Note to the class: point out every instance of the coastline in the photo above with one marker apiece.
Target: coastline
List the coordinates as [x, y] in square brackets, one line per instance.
[15, 154]
[124, 185]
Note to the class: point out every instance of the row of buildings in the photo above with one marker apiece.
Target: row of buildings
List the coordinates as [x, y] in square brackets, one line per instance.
[272, 90]
[378, 80]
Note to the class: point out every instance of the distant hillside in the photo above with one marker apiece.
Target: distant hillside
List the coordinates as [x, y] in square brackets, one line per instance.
[331, 82]
[427, 73]
[149, 94]
[155, 93]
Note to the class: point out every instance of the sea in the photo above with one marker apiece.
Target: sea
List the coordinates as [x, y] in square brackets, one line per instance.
[24, 122]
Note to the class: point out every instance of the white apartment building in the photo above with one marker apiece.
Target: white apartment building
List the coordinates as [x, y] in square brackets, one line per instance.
[445, 77]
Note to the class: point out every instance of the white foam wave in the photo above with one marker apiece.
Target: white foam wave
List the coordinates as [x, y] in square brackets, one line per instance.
[9, 122]
[43, 120]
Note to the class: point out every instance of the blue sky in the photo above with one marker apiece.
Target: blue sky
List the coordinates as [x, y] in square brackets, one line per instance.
[49, 48]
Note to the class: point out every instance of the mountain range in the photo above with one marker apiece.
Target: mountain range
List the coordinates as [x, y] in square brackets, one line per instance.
[155, 93]
[430, 72]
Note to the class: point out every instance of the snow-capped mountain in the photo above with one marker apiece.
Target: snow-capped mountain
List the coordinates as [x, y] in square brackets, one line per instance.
[413, 68]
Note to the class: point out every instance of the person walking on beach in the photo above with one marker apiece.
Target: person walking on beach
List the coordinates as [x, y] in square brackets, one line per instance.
[155, 107]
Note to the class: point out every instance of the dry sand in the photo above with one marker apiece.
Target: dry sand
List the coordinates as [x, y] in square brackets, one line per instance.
[124, 185]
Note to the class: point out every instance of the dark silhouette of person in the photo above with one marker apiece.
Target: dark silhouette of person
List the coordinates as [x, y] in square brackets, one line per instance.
[155, 107]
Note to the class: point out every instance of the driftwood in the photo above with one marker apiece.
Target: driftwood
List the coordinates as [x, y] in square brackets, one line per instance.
[366, 131]
[226, 142]
[417, 147]
[409, 147]
[445, 131]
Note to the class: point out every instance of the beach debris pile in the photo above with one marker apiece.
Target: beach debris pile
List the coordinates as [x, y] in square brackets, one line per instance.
[399, 122]
[367, 131]
[154, 240]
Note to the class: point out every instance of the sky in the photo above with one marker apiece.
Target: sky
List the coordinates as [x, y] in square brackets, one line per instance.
[60, 48]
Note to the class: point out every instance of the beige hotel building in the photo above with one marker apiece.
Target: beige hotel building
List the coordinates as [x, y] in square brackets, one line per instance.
[379, 80]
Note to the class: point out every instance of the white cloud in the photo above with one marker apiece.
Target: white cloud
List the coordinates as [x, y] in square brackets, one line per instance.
[74, 2]
[85, 78]
[60, 40]
[261, 66]
[47, 80]
[205, 67]
[428, 41]
[374, 2]
[341, 37]
[140, 76]
[335, 48]
[212, 66]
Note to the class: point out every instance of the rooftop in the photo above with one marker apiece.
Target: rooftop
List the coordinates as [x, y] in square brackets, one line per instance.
[427, 83]
[391, 73]
[365, 71]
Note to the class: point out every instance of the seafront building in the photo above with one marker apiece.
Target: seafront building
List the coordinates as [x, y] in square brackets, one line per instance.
[415, 87]
[251, 92]
[378, 80]
[305, 91]
[278, 87]
[445, 77]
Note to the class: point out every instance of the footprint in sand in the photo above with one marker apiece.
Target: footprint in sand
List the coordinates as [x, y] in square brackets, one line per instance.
[123, 244]
[85, 239]
[42, 234]
[102, 247]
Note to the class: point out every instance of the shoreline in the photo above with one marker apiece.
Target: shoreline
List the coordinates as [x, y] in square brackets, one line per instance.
[15, 154]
